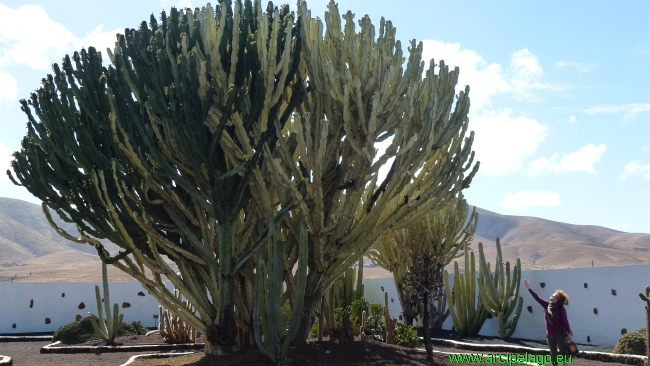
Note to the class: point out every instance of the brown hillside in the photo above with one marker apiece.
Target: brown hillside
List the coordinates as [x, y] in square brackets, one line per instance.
[29, 245]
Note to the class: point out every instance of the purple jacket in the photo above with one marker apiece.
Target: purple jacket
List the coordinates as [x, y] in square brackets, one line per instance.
[560, 321]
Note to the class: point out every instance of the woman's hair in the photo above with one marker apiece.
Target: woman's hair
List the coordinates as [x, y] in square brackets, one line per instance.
[562, 298]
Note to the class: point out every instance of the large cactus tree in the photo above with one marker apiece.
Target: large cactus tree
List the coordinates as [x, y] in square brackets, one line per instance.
[155, 152]
[325, 157]
[444, 233]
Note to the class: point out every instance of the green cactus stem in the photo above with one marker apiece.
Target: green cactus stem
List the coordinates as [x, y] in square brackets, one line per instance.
[362, 329]
[390, 322]
[499, 293]
[172, 327]
[467, 311]
[106, 328]
[646, 298]
[271, 332]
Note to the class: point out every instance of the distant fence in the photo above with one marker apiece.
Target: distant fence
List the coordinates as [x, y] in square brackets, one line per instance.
[602, 302]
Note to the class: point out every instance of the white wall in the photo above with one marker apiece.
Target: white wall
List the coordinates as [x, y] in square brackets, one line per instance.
[615, 312]
[49, 302]
[625, 310]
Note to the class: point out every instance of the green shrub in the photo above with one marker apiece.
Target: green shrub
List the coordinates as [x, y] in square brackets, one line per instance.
[83, 331]
[313, 332]
[632, 343]
[406, 336]
[139, 328]
[376, 328]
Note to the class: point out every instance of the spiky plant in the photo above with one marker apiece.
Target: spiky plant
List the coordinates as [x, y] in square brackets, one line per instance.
[445, 233]
[646, 298]
[499, 293]
[360, 93]
[466, 308]
[108, 327]
[156, 152]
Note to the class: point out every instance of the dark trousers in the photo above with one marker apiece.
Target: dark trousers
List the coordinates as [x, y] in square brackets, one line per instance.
[556, 341]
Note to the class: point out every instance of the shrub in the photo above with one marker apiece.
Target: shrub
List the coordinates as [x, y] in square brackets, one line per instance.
[83, 331]
[313, 332]
[139, 328]
[632, 343]
[406, 335]
[376, 328]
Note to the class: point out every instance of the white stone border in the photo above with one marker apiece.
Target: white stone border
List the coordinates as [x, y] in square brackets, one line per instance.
[156, 355]
[55, 348]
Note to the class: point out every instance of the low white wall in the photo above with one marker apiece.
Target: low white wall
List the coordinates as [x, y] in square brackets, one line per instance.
[26, 306]
[615, 312]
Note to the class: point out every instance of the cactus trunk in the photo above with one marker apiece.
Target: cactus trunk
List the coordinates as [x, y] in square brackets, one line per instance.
[425, 323]
[272, 335]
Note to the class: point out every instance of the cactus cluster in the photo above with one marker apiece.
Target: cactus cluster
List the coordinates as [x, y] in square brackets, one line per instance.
[444, 233]
[272, 334]
[106, 328]
[390, 322]
[466, 308]
[172, 327]
[499, 291]
[211, 114]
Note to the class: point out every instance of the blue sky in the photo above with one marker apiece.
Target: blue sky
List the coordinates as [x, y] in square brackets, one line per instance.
[560, 91]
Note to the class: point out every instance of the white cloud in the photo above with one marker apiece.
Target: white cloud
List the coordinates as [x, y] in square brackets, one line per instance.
[526, 75]
[578, 66]
[630, 110]
[502, 143]
[645, 149]
[524, 199]
[521, 78]
[572, 119]
[180, 4]
[635, 168]
[484, 79]
[100, 40]
[8, 86]
[29, 37]
[581, 160]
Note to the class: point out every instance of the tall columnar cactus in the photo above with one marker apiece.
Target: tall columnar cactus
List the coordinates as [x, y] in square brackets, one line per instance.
[106, 328]
[271, 333]
[499, 293]
[467, 311]
[156, 152]
[646, 298]
[343, 291]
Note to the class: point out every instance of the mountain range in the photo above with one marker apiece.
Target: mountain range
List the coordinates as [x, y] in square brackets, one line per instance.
[31, 250]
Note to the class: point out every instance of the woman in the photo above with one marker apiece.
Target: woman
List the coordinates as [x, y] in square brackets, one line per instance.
[558, 331]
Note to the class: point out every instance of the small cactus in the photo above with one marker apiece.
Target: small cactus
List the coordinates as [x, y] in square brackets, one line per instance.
[646, 298]
[107, 328]
[362, 328]
[391, 323]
